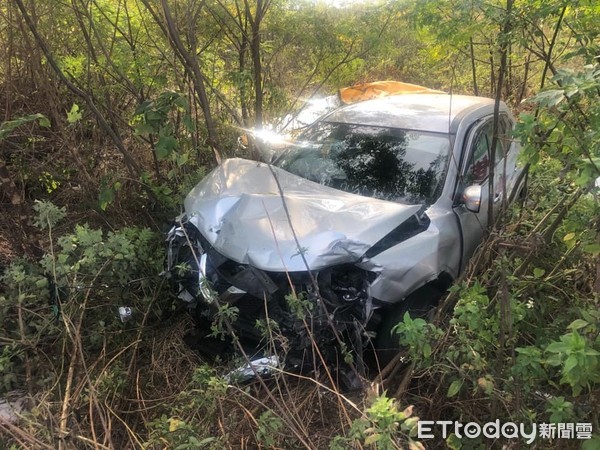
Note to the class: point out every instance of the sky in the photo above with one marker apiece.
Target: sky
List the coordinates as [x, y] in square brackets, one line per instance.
[342, 3]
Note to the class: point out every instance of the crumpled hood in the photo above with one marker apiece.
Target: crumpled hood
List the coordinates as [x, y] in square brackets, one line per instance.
[239, 210]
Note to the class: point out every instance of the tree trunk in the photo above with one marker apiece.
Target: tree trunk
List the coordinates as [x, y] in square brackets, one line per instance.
[193, 68]
[473, 71]
[504, 45]
[130, 161]
[255, 50]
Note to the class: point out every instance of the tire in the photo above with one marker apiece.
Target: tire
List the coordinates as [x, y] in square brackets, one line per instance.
[417, 304]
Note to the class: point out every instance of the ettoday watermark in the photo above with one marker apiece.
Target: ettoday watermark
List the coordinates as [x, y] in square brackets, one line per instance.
[426, 429]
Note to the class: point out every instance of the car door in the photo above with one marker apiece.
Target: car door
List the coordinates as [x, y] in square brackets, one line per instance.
[475, 170]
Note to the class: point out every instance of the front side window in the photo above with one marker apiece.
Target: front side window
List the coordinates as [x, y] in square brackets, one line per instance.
[478, 165]
[381, 162]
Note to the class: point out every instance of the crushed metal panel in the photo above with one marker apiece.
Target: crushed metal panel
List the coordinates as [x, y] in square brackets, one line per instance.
[12, 406]
[405, 267]
[262, 367]
[239, 210]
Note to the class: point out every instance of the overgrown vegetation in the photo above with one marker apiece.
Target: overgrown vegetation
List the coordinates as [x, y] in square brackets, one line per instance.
[113, 109]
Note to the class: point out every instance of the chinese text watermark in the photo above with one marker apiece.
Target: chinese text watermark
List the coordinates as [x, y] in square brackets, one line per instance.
[426, 429]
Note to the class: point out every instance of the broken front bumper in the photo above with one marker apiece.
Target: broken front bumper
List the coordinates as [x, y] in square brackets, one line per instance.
[294, 315]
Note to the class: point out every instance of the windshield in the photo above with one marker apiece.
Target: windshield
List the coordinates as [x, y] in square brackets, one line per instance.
[385, 163]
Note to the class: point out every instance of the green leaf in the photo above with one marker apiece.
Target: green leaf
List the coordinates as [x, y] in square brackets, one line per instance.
[165, 145]
[143, 128]
[570, 364]
[189, 123]
[106, 196]
[7, 127]
[372, 439]
[558, 347]
[453, 442]
[550, 98]
[142, 107]
[410, 423]
[569, 237]
[427, 350]
[182, 158]
[454, 388]
[538, 273]
[181, 102]
[594, 249]
[592, 444]
[192, 442]
[577, 324]
[74, 115]
[43, 121]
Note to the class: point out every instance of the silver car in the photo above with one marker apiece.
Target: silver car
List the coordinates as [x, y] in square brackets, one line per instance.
[373, 211]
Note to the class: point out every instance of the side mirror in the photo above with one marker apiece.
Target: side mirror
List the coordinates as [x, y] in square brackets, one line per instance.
[471, 197]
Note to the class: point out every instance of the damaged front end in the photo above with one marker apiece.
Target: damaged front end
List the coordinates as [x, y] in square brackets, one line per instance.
[284, 266]
[303, 319]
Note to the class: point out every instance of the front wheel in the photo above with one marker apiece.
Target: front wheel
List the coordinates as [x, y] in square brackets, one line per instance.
[417, 304]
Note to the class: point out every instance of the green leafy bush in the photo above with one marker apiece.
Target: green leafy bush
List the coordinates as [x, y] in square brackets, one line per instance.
[76, 288]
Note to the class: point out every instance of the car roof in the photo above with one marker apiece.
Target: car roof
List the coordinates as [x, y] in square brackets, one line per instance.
[423, 112]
